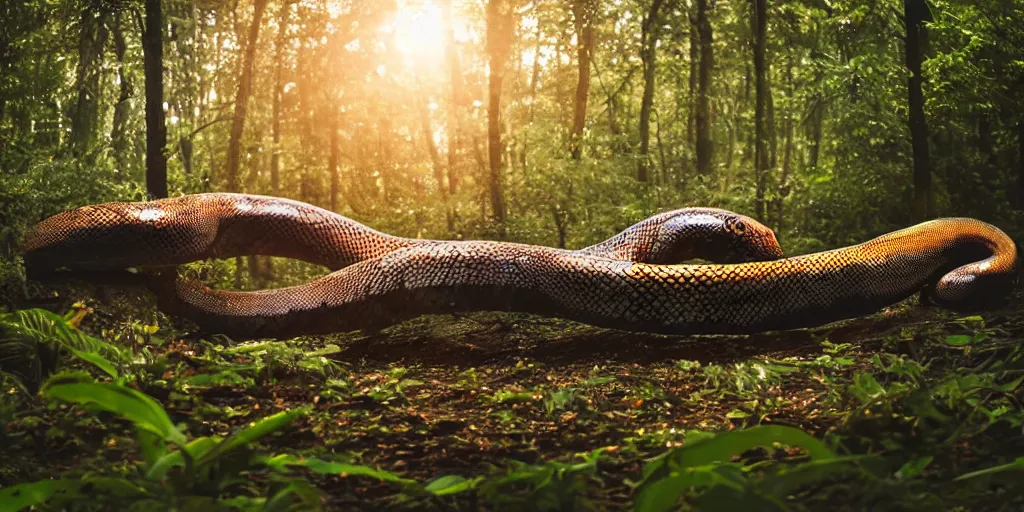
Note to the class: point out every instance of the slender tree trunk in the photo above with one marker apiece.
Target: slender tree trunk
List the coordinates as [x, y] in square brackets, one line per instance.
[817, 120]
[455, 73]
[1020, 166]
[915, 13]
[650, 30]
[583, 11]
[500, 18]
[705, 148]
[692, 91]
[435, 159]
[242, 97]
[156, 131]
[122, 109]
[333, 157]
[759, 13]
[787, 151]
[279, 47]
[85, 117]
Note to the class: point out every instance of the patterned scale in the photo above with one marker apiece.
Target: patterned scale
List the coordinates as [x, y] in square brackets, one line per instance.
[959, 263]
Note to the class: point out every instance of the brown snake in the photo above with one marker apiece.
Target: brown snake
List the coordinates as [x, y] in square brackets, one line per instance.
[631, 281]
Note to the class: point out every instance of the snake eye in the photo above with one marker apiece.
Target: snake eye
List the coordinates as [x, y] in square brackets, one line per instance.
[738, 226]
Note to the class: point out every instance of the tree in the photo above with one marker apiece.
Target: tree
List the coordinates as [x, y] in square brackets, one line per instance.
[156, 131]
[85, 117]
[455, 78]
[759, 23]
[650, 32]
[242, 97]
[284, 18]
[702, 120]
[500, 26]
[915, 13]
[583, 14]
[122, 109]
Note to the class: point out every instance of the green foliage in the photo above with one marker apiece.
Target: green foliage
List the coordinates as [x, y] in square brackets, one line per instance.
[31, 341]
[703, 466]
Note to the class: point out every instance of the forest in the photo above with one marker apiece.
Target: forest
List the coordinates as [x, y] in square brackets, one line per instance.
[549, 122]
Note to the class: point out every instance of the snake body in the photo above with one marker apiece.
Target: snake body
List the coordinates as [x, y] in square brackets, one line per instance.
[629, 282]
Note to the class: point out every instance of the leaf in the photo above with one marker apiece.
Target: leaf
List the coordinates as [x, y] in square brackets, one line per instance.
[323, 467]
[134, 406]
[958, 340]
[451, 484]
[798, 476]
[913, 467]
[1016, 465]
[252, 433]
[664, 494]
[196, 448]
[724, 446]
[97, 360]
[22, 496]
[668, 477]
[151, 446]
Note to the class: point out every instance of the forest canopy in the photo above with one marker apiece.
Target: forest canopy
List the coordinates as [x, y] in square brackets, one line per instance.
[553, 122]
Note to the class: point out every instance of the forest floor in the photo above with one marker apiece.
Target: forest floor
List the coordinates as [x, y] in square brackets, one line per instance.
[537, 413]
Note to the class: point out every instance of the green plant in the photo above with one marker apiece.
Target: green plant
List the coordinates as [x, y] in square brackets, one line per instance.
[32, 340]
[701, 468]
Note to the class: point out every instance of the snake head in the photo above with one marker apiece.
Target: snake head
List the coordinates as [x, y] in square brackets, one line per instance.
[712, 234]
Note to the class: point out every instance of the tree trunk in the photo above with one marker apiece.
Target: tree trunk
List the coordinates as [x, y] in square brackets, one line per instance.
[583, 11]
[279, 46]
[500, 18]
[455, 73]
[915, 13]
[787, 151]
[705, 148]
[435, 161]
[156, 132]
[333, 157]
[649, 32]
[817, 120]
[122, 109]
[694, 59]
[759, 15]
[1020, 166]
[242, 97]
[85, 117]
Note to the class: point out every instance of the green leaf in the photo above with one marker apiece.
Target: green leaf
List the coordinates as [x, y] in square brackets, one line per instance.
[151, 446]
[913, 467]
[134, 406]
[451, 484]
[1016, 465]
[797, 476]
[196, 448]
[668, 477]
[664, 493]
[724, 446]
[252, 433]
[97, 360]
[22, 496]
[323, 467]
[958, 340]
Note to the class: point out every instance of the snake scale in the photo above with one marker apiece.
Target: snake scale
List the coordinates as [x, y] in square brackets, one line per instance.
[632, 281]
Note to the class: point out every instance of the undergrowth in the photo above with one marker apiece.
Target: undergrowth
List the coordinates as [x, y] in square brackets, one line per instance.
[923, 414]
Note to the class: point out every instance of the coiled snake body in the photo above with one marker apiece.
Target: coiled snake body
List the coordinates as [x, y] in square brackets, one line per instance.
[632, 281]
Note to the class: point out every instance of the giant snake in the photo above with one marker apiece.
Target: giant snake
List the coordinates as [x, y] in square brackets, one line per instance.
[632, 281]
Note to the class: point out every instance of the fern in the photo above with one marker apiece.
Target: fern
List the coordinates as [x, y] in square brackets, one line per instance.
[31, 341]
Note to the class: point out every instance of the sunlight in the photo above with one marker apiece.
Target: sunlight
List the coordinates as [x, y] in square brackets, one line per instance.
[419, 31]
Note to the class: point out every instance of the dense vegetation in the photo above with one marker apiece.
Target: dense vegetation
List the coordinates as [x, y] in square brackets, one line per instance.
[544, 121]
